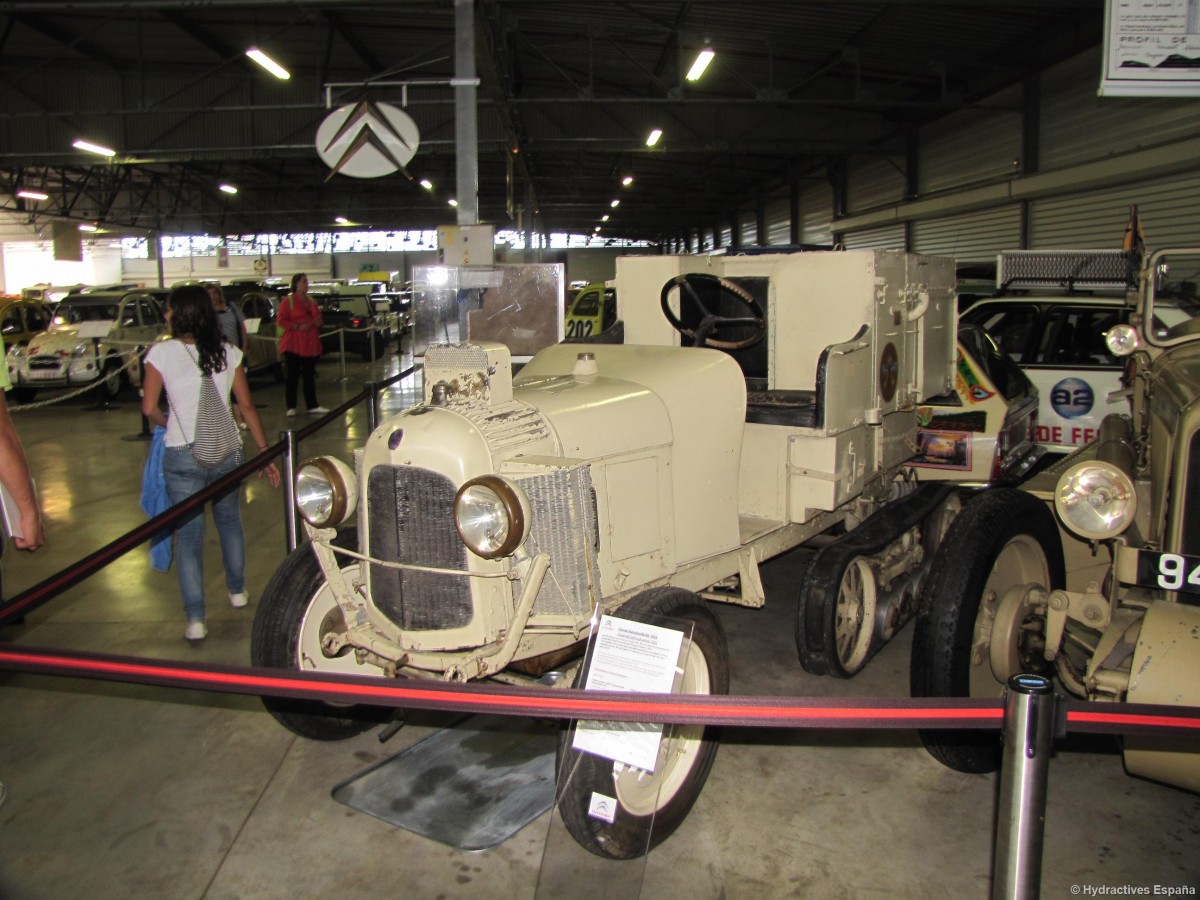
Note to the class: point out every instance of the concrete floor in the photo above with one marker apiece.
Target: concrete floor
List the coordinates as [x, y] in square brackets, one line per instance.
[126, 791]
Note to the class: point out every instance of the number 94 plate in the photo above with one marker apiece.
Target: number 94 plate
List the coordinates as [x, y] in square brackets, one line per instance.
[1169, 571]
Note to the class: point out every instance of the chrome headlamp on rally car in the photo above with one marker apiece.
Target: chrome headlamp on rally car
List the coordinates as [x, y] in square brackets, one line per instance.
[491, 515]
[326, 491]
[1096, 497]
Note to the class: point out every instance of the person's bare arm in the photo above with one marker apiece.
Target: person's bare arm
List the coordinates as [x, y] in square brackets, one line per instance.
[245, 403]
[14, 472]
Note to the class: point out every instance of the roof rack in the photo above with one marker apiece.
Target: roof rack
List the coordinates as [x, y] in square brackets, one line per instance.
[1069, 270]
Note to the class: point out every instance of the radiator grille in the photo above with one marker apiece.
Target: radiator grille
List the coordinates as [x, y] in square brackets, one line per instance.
[411, 517]
[563, 515]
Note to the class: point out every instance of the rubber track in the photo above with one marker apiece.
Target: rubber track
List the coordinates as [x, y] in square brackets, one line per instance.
[819, 589]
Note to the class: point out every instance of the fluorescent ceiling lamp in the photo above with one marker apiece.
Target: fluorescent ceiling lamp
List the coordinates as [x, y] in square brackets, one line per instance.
[653, 138]
[94, 148]
[452, 202]
[427, 184]
[703, 58]
[627, 181]
[615, 204]
[597, 229]
[33, 195]
[229, 189]
[604, 218]
[341, 220]
[269, 64]
[86, 227]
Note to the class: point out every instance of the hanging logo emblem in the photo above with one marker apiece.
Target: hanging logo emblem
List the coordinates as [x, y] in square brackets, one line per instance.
[367, 140]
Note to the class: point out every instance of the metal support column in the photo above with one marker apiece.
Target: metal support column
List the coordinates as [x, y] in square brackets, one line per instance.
[466, 126]
[1021, 816]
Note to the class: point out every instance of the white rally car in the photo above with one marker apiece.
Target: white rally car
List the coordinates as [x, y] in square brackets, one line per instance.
[1051, 319]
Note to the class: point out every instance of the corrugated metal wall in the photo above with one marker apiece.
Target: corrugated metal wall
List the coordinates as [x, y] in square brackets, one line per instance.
[874, 181]
[973, 237]
[779, 220]
[816, 206]
[1077, 126]
[1167, 208]
[890, 237]
[973, 146]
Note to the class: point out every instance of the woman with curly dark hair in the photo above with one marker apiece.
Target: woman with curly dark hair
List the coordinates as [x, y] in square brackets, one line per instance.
[197, 352]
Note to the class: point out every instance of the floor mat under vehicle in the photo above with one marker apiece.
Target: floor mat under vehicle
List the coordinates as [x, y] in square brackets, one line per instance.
[471, 786]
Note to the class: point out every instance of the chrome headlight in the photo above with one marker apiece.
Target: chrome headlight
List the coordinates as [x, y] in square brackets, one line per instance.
[326, 491]
[491, 515]
[1095, 499]
[1121, 340]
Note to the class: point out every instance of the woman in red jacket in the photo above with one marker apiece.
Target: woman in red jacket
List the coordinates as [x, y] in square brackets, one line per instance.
[300, 319]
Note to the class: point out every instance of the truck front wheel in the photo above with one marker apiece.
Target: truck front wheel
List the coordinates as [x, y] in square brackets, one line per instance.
[975, 629]
[649, 807]
[296, 608]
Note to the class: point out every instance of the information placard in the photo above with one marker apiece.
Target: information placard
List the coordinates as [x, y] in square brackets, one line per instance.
[629, 656]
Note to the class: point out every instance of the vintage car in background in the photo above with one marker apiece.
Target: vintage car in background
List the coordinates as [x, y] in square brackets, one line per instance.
[262, 339]
[1089, 572]
[494, 522]
[61, 358]
[21, 318]
[592, 311]
[353, 321]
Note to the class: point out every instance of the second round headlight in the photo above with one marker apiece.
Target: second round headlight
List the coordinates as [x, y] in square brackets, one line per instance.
[326, 491]
[1095, 500]
[491, 515]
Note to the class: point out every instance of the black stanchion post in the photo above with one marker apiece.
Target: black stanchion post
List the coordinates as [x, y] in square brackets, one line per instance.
[1021, 815]
[371, 388]
[101, 404]
[291, 521]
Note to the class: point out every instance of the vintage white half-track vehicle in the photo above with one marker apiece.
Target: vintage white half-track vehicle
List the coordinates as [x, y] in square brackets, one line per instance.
[1090, 572]
[491, 524]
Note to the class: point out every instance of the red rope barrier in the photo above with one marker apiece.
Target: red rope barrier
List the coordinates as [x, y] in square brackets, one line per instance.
[702, 709]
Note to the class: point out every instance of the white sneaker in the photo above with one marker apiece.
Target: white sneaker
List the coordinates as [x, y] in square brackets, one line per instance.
[196, 630]
[238, 600]
[317, 411]
[291, 413]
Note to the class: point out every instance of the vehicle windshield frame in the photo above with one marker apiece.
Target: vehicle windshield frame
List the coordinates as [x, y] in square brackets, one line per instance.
[1155, 301]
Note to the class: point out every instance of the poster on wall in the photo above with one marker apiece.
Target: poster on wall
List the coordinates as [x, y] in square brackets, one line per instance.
[1151, 48]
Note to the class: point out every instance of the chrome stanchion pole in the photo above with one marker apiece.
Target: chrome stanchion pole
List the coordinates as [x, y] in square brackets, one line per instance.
[341, 354]
[371, 341]
[291, 522]
[1021, 815]
[372, 391]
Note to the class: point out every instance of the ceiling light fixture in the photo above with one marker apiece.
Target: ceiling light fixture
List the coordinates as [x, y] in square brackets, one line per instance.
[33, 195]
[88, 227]
[604, 218]
[703, 58]
[452, 202]
[653, 138]
[341, 220]
[615, 204]
[99, 149]
[269, 64]
[627, 181]
[229, 189]
[427, 184]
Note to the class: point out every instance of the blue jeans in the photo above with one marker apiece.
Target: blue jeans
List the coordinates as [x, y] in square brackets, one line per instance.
[184, 477]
